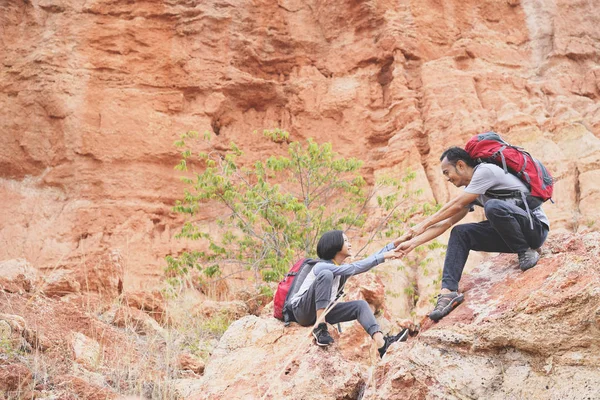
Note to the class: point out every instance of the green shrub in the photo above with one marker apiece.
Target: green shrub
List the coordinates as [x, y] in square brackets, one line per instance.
[276, 209]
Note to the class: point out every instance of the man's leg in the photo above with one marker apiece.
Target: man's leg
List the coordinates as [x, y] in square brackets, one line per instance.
[513, 224]
[463, 238]
[507, 230]
[313, 304]
[480, 236]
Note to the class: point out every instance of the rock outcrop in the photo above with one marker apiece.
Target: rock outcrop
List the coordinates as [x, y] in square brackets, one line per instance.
[517, 335]
[258, 358]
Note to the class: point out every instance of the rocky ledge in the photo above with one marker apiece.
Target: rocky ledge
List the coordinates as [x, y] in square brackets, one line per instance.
[517, 335]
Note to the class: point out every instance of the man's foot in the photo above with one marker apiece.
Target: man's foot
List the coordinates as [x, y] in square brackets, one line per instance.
[388, 340]
[445, 304]
[528, 259]
[321, 335]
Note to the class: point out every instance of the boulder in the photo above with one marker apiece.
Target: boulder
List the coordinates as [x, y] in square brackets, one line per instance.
[21, 336]
[532, 334]
[228, 309]
[152, 303]
[138, 321]
[72, 385]
[259, 358]
[189, 362]
[86, 351]
[517, 335]
[254, 299]
[368, 287]
[60, 283]
[103, 275]
[17, 276]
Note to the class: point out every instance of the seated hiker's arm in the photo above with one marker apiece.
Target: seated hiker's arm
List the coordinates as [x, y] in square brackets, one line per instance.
[432, 232]
[455, 206]
[358, 267]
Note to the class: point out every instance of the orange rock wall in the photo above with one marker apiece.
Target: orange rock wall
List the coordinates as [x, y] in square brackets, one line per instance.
[93, 94]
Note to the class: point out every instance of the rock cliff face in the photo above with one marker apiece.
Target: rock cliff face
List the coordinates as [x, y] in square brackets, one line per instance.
[532, 335]
[93, 94]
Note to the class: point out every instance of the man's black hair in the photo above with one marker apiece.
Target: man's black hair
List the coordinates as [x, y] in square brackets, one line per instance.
[456, 153]
[330, 243]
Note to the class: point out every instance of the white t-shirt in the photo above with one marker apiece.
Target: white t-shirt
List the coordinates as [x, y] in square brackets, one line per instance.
[492, 177]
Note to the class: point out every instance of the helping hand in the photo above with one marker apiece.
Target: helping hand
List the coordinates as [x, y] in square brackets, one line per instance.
[393, 255]
[406, 247]
[411, 233]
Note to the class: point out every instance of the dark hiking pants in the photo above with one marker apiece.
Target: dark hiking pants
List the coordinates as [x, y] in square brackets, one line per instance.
[318, 297]
[507, 230]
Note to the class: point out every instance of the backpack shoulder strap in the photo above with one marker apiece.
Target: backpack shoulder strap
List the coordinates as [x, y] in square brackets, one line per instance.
[340, 292]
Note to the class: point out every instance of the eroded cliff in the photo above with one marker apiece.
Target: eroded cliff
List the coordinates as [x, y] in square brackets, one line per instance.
[93, 94]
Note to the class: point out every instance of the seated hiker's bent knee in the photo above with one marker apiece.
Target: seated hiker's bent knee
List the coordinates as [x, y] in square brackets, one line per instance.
[359, 307]
[325, 275]
[362, 305]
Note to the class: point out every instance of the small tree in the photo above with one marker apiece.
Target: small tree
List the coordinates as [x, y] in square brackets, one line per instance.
[278, 208]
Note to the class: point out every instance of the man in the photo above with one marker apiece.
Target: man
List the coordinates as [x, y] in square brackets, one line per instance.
[509, 228]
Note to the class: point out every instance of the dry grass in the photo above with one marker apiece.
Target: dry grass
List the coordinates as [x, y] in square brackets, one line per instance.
[127, 363]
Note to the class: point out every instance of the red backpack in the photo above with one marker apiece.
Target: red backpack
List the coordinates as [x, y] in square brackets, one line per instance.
[290, 285]
[490, 147]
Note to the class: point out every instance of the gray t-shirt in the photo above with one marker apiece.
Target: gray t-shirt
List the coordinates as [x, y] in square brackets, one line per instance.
[492, 177]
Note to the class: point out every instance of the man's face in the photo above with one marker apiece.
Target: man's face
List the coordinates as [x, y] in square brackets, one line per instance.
[456, 174]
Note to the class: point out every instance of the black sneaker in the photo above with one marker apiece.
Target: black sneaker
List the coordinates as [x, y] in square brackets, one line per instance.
[445, 304]
[400, 337]
[528, 259]
[321, 335]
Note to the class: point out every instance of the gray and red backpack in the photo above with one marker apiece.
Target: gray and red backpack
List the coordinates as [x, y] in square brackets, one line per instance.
[290, 285]
[490, 147]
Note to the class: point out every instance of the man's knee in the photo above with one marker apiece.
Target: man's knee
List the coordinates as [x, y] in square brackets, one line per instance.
[459, 230]
[494, 208]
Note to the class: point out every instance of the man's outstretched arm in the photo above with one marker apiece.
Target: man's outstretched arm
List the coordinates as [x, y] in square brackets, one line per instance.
[432, 232]
[455, 206]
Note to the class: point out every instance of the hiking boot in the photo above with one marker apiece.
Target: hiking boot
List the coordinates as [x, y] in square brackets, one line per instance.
[321, 335]
[388, 340]
[528, 259]
[445, 304]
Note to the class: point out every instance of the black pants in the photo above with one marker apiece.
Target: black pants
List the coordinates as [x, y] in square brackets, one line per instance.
[318, 296]
[507, 230]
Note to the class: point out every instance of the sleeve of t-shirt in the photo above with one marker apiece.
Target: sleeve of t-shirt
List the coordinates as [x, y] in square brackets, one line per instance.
[482, 180]
[357, 267]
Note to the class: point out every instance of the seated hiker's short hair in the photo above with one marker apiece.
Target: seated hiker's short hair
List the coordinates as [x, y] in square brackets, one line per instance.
[330, 243]
[456, 153]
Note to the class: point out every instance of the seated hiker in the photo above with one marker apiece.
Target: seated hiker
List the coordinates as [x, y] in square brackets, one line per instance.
[320, 289]
[509, 228]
